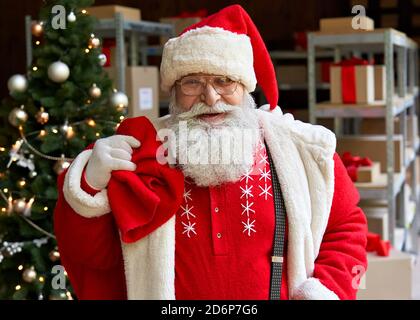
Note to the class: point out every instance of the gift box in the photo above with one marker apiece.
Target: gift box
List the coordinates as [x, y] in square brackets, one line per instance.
[377, 126]
[387, 277]
[369, 173]
[374, 147]
[109, 50]
[379, 82]
[182, 21]
[378, 220]
[361, 169]
[108, 12]
[142, 89]
[352, 81]
[344, 24]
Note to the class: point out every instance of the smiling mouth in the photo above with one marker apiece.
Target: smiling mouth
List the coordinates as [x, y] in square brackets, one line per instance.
[212, 117]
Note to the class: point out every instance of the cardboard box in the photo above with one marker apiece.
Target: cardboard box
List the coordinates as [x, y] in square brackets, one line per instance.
[344, 24]
[373, 146]
[142, 89]
[377, 126]
[387, 278]
[365, 87]
[179, 25]
[296, 74]
[379, 82]
[378, 220]
[389, 21]
[369, 174]
[388, 3]
[108, 12]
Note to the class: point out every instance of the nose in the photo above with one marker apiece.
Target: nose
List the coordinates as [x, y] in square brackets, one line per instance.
[210, 96]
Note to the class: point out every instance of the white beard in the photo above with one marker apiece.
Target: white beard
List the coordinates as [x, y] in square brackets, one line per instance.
[213, 154]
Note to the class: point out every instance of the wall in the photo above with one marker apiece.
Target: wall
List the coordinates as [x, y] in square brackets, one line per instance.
[276, 20]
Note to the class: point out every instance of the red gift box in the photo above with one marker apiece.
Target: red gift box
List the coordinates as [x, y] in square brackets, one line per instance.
[352, 81]
[376, 244]
[352, 163]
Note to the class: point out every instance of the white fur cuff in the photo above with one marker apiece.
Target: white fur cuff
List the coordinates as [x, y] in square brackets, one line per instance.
[83, 203]
[313, 289]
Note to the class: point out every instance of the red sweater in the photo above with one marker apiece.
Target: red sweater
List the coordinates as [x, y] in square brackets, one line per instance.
[234, 265]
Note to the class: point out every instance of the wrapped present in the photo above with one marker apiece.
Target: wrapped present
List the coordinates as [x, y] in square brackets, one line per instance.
[301, 40]
[361, 169]
[376, 244]
[352, 81]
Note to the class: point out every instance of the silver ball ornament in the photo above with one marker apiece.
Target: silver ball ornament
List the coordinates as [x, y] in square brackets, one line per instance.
[102, 59]
[119, 100]
[71, 17]
[18, 116]
[17, 83]
[29, 275]
[58, 72]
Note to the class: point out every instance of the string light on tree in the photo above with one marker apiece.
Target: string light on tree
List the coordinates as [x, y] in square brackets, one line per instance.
[17, 83]
[21, 183]
[58, 72]
[42, 116]
[19, 205]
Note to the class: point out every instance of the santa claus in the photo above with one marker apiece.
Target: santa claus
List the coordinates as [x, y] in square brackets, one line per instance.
[217, 200]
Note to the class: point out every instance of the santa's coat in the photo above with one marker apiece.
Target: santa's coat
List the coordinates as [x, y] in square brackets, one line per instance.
[320, 260]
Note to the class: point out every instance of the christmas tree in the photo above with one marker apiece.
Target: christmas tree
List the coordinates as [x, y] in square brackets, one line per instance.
[63, 103]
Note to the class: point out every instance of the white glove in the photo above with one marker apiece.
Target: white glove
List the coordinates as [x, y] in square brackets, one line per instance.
[108, 154]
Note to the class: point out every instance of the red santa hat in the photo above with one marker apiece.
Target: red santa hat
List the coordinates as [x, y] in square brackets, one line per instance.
[225, 43]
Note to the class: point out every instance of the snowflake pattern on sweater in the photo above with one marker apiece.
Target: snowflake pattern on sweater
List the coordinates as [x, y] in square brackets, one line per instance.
[254, 186]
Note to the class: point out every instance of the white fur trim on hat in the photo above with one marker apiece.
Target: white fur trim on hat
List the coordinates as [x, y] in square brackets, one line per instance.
[210, 50]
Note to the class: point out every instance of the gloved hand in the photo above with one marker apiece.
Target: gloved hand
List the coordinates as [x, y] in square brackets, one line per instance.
[108, 154]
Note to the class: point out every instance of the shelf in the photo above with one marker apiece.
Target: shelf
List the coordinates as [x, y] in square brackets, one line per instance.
[360, 38]
[411, 154]
[303, 86]
[374, 110]
[141, 27]
[378, 189]
[291, 55]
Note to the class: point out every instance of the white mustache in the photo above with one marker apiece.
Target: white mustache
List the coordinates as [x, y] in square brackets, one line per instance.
[201, 108]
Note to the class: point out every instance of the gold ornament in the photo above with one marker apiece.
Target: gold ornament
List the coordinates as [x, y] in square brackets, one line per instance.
[60, 166]
[19, 205]
[95, 92]
[94, 42]
[29, 275]
[18, 116]
[42, 116]
[54, 255]
[37, 29]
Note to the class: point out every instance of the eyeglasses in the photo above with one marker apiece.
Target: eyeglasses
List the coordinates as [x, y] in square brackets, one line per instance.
[195, 85]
